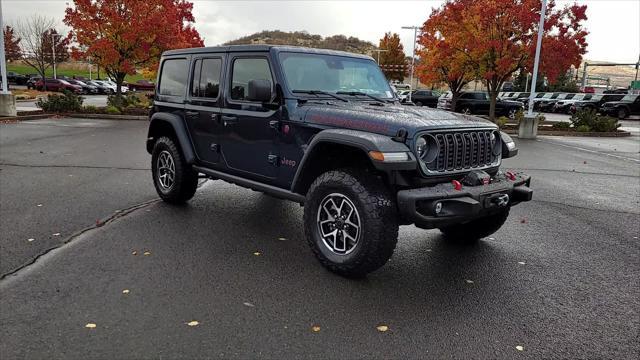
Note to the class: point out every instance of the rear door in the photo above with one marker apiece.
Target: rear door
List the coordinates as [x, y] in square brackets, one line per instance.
[248, 141]
[202, 108]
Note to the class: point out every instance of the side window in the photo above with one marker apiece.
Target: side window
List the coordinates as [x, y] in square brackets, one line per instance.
[195, 81]
[206, 78]
[466, 96]
[173, 79]
[245, 70]
[481, 96]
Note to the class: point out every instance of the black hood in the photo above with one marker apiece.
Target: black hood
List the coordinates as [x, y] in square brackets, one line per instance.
[388, 119]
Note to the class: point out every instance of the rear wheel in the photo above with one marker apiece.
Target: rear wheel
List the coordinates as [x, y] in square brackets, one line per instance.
[511, 114]
[475, 230]
[622, 113]
[350, 222]
[175, 181]
[466, 110]
[418, 103]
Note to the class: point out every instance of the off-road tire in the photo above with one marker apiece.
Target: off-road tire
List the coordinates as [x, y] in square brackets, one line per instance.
[418, 103]
[471, 232]
[375, 206]
[185, 179]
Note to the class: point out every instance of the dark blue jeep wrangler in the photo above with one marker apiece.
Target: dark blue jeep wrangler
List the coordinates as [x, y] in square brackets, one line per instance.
[324, 129]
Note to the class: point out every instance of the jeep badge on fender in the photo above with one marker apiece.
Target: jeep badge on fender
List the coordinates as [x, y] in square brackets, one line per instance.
[324, 129]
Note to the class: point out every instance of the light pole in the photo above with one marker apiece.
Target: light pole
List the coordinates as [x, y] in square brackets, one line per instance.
[379, 51]
[413, 54]
[536, 60]
[3, 63]
[53, 50]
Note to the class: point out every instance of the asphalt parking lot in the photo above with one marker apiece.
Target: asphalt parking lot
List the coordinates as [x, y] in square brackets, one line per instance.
[84, 240]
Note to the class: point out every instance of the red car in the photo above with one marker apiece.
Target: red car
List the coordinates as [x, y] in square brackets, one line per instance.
[141, 85]
[58, 85]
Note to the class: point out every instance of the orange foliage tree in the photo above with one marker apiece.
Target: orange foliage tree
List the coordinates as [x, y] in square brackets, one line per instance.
[11, 44]
[124, 35]
[497, 38]
[393, 54]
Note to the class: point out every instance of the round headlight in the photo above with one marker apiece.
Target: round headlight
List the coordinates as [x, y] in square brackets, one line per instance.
[427, 148]
[421, 145]
[496, 143]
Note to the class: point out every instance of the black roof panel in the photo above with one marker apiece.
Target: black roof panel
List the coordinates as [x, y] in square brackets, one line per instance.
[264, 48]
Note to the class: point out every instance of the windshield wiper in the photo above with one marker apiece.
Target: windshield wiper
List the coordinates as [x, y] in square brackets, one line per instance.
[320, 92]
[359, 93]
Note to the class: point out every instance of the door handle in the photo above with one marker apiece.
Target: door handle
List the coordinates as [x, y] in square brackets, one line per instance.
[229, 120]
[191, 113]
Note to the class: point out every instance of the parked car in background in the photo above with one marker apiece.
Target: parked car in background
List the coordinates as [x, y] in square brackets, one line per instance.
[425, 98]
[507, 86]
[564, 106]
[86, 88]
[476, 102]
[15, 78]
[112, 85]
[594, 103]
[403, 95]
[547, 105]
[588, 90]
[58, 85]
[546, 97]
[628, 105]
[513, 95]
[141, 85]
[31, 83]
[102, 89]
[616, 91]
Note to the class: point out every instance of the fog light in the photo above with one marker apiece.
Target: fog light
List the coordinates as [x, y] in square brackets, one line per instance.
[438, 208]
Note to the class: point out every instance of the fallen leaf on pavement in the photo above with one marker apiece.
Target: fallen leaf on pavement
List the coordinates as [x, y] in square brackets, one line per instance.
[125, 291]
[146, 253]
[315, 328]
[56, 234]
[282, 239]
[193, 323]
[382, 328]
[523, 221]
[99, 223]
[257, 253]
[521, 262]
[90, 326]
[30, 239]
[134, 253]
[469, 281]
[39, 205]
[248, 304]
[519, 348]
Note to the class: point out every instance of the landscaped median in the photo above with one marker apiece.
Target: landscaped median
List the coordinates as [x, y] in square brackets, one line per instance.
[583, 123]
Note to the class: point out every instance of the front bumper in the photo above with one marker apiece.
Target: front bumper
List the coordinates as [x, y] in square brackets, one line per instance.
[417, 206]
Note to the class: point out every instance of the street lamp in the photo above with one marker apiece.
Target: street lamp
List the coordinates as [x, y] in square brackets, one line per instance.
[53, 50]
[413, 53]
[3, 63]
[536, 60]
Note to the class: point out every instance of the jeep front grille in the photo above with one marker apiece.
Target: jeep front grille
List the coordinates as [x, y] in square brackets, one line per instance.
[465, 150]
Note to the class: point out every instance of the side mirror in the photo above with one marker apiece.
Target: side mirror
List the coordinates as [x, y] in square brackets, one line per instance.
[259, 91]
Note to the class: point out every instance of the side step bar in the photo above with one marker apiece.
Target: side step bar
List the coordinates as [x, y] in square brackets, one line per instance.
[253, 185]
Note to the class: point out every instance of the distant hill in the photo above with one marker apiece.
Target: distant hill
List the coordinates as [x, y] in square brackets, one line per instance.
[303, 38]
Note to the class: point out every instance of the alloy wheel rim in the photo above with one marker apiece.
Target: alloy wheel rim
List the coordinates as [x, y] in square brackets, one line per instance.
[338, 224]
[166, 172]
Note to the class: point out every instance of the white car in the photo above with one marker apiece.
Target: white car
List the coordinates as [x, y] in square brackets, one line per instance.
[112, 86]
[403, 95]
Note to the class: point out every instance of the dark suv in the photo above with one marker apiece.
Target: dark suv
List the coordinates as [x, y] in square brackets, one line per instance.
[425, 98]
[628, 105]
[477, 102]
[323, 128]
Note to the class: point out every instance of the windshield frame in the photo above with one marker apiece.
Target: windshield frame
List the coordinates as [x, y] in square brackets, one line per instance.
[290, 94]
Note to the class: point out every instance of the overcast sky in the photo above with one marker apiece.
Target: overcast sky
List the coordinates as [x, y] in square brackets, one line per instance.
[614, 25]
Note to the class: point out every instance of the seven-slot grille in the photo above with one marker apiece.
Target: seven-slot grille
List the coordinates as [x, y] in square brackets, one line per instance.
[462, 150]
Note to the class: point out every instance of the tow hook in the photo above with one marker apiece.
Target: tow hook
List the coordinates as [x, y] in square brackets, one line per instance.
[500, 200]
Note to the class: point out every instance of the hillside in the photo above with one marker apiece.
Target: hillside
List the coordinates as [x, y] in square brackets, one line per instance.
[303, 38]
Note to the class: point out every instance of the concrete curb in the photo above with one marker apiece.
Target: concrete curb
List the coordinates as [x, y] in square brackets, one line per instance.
[575, 133]
[107, 116]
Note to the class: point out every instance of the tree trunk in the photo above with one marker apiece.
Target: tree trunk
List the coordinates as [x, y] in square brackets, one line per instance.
[454, 99]
[493, 95]
[119, 77]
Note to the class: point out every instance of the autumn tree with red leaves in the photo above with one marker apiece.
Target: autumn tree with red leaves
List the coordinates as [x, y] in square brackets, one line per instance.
[392, 54]
[122, 36]
[11, 44]
[497, 38]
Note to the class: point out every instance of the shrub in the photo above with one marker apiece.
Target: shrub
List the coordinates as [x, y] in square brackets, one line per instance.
[502, 121]
[583, 128]
[130, 100]
[89, 109]
[562, 125]
[595, 122]
[112, 110]
[67, 102]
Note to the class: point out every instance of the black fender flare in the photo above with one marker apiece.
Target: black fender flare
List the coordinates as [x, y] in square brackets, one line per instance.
[161, 119]
[362, 140]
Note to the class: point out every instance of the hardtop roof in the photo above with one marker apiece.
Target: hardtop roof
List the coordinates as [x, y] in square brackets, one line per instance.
[262, 48]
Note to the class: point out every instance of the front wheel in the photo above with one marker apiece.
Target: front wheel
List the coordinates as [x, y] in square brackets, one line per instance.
[511, 114]
[475, 230]
[350, 222]
[418, 103]
[175, 181]
[622, 113]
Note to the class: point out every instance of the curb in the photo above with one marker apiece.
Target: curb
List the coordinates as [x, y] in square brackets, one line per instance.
[575, 133]
[107, 116]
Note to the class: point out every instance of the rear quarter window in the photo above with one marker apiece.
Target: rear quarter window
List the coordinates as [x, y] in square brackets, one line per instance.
[173, 78]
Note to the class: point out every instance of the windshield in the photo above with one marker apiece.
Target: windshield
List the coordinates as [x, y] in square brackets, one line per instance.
[333, 73]
[629, 97]
[547, 95]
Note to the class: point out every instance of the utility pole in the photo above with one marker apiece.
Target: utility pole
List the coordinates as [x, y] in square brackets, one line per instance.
[537, 58]
[413, 55]
[3, 62]
[53, 50]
